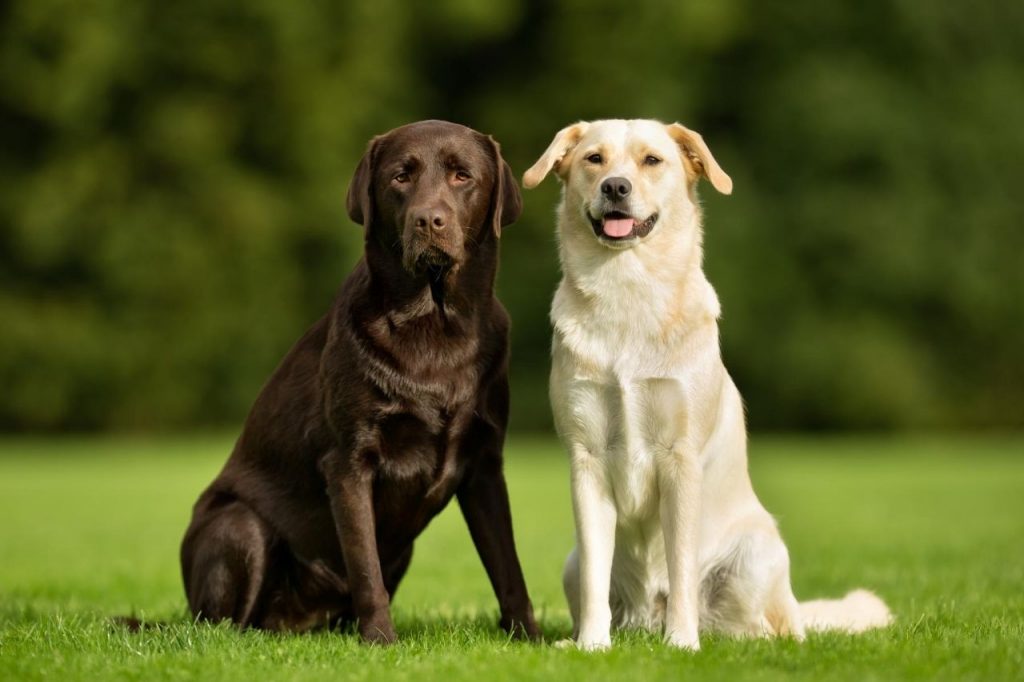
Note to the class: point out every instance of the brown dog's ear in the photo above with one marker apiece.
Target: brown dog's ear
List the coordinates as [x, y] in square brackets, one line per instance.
[506, 201]
[360, 190]
[564, 141]
[698, 156]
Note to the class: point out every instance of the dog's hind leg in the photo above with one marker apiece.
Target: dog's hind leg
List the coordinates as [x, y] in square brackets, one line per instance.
[783, 611]
[769, 578]
[749, 593]
[225, 557]
[238, 568]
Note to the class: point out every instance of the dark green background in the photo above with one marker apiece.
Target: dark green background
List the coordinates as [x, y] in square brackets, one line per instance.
[172, 177]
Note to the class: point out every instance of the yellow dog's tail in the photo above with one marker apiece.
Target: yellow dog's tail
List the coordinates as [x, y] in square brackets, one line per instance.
[858, 611]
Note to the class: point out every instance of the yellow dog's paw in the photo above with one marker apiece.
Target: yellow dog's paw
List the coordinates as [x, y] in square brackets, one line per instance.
[691, 643]
[584, 645]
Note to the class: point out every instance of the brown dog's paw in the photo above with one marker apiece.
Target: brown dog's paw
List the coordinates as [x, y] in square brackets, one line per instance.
[522, 627]
[378, 631]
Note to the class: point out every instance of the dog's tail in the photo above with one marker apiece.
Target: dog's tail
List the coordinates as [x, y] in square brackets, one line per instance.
[858, 611]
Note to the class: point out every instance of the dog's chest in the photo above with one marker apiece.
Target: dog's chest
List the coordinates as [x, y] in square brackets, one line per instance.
[419, 450]
[418, 471]
[631, 427]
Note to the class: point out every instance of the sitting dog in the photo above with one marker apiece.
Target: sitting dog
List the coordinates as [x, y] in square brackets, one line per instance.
[669, 531]
[393, 402]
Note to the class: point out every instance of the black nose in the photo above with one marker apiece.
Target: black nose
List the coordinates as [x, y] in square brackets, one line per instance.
[436, 220]
[616, 188]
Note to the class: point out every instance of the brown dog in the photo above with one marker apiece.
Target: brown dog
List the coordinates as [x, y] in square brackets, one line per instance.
[393, 402]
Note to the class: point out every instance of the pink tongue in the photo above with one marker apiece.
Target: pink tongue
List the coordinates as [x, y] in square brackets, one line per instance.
[618, 227]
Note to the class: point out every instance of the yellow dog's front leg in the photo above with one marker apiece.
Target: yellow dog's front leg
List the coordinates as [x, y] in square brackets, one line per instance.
[679, 484]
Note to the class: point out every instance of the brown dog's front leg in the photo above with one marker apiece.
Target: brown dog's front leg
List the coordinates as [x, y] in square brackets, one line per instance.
[351, 493]
[483, 498]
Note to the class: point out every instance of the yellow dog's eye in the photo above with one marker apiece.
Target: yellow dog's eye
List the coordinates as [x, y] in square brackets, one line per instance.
[595, 158]
[651, 160]
[401, 178]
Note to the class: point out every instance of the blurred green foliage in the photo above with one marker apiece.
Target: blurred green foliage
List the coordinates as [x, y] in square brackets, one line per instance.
[172, 178]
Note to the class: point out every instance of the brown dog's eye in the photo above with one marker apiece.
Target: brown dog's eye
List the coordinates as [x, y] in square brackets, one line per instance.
[401, 178]
[462, 176]
[595, 158]
[651, 160]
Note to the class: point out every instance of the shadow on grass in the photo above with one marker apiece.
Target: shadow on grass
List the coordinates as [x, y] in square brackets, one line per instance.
[419, 632]
[416, 630]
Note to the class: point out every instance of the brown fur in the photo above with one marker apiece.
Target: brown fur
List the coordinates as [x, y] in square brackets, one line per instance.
[392, 403]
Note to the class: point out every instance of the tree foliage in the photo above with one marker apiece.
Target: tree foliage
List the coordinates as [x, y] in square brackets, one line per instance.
[173, 174]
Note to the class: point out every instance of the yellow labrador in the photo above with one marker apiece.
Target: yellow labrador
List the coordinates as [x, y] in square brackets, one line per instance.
[669, 531]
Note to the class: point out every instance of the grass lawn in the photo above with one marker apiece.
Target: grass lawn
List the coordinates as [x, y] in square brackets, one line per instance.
[90, 528]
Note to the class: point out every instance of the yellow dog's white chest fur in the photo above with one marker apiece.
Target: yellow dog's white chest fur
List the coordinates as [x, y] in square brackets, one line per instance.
[626, 407]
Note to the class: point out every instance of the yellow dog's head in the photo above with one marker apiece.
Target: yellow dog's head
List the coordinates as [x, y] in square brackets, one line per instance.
[622, 176]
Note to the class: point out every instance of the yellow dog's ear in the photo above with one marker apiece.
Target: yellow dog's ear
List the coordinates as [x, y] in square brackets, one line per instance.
[698, 156]
[564, 141]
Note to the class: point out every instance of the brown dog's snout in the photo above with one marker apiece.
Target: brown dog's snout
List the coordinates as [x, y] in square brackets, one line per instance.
[431, 236]
[436, 219]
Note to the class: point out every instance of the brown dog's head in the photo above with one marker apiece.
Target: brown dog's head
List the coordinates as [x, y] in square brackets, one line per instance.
[430, 192]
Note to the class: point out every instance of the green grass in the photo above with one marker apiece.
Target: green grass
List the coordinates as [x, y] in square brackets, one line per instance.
[90, 529]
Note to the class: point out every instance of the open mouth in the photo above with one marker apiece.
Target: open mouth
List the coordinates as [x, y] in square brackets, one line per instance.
[617, 226]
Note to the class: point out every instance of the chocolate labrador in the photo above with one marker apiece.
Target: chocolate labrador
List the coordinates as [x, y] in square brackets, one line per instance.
[389, 405]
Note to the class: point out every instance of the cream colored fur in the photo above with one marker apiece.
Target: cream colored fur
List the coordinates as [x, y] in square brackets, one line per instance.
[670, 535]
